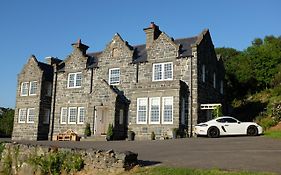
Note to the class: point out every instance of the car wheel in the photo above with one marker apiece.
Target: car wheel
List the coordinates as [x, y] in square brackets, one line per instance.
[213, 132]
[252, 131]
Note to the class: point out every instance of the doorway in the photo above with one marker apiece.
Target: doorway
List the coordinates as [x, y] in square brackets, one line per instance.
[101, 121]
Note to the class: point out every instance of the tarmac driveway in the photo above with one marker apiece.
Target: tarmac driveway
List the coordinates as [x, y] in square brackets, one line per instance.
[231, 153]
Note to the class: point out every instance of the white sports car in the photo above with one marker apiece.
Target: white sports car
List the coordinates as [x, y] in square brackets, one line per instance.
[226, 125]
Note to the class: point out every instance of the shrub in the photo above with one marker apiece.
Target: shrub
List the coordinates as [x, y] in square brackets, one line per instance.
[152, 135]
[2, 147]
[267, 122]
[87, 131]
[56, 162]
[109, 133]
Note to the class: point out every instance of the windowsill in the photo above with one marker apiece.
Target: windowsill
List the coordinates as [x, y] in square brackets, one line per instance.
[74, 87]
[162, 80]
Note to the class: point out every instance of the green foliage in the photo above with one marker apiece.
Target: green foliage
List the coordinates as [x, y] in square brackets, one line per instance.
[266, 122]
[109, 132]
[254, 69]
[217, 112]
[6, 122]
[159, 170]
[56, 162]
[87, 131]
[7, 163]
[273, 134]
[152, 135]
[2, 147]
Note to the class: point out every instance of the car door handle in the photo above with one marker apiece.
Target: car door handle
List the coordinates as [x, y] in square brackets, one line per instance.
[226, 125]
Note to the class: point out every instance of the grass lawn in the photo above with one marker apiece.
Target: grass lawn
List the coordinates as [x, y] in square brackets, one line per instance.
[273, 134]
[185, 171]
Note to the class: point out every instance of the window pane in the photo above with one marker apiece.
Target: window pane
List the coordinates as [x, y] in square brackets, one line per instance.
[81, 118]
[78, 79]
[157, 72]
[154, 110]
[168, 72]
[31, 115]
[72, 115]
[22, 115]
[33, 87]
[168, 109]
[142, 110]
[114, 76]
[24, 89]
[63, 115]
[71, 80]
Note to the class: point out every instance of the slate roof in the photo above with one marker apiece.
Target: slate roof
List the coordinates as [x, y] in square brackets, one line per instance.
[48, 70]
[140, 53]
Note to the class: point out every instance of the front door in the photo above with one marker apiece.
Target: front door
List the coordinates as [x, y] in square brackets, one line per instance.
[101, 121]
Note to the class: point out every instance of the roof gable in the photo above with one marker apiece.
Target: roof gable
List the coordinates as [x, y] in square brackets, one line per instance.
[117, 47]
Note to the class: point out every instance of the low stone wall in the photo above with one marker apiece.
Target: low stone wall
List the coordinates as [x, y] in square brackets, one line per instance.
[16, 157]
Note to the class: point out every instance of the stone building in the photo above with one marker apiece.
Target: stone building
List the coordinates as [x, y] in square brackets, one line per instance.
[163, 84]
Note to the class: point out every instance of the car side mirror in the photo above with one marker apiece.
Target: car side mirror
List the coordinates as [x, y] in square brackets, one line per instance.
[239, 122]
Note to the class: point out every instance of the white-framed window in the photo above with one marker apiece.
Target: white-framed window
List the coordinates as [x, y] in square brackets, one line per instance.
[154, 110]
[167, 107]
[74, 80]
[114, 76]
[221, 87]
[63, 115]
[24, 89]
[162, 71]
[81, 115]
[121, 117]
[30, 115]
[46, 117]
[33, 88]
[142, 111]
[72, 115]
[214, 80]
[22, 115]
[203, 73]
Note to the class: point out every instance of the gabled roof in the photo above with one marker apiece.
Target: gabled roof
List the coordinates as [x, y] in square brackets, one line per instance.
[140, 52]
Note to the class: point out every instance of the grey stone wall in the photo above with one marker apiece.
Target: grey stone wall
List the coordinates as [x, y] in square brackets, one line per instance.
[29, 131]
[16, 156]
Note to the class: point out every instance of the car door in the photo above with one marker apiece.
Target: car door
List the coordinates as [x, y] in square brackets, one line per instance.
[233, 126]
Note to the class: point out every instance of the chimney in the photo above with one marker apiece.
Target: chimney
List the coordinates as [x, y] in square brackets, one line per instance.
[152, 33]
[82, 47]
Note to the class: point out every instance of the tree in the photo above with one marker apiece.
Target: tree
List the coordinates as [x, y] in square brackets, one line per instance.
[6, 122]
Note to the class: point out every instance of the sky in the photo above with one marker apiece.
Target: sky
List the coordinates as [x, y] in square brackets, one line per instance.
[48, 28]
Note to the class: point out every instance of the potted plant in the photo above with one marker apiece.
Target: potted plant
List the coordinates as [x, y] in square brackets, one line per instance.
[131, 135]
[152, 135]
[175, 133]
[87, 131]
[109, 133]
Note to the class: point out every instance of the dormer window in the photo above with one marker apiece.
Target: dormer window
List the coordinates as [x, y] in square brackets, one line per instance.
[114, 76]
[74, 80]
[162, 71]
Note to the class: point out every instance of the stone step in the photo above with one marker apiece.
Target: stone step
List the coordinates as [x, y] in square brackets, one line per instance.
[94, 138]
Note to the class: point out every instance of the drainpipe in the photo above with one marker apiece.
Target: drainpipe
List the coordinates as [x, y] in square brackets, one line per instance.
[54, 102]
[191, 98]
